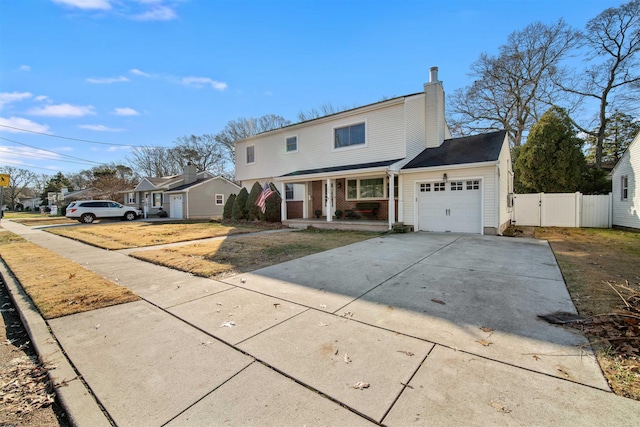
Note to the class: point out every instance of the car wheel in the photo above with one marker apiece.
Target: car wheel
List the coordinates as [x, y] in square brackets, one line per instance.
[87, 218]
[130, 216]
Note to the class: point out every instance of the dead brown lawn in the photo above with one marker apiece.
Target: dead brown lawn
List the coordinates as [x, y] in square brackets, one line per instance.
[43, 220]
[589, 259]
[124, 235]
[58, 286]
[247, 253]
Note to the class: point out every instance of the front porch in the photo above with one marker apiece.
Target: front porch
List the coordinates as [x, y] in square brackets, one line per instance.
[338, 224]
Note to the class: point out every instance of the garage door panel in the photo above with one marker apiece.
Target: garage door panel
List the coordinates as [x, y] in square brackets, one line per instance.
[455, 207]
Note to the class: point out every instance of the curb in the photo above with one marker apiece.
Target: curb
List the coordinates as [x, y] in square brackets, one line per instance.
[77, 401]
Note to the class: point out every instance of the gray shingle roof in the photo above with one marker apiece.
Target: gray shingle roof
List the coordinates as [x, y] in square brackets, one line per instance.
[457, 151]
[344, 168]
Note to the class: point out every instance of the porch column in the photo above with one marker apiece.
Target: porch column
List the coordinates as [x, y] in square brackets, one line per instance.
[283, 202]
[329, 194]
[400, 199]
[305, 200]
[392, 204]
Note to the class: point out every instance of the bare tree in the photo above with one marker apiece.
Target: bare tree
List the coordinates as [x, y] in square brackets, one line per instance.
[204, 151]
[19, 181]
[513, 89]
[242, 128]
[323, 110]
[154, 161]
[611, 77]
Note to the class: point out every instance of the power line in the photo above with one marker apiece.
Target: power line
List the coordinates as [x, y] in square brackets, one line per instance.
[27, 166]
[73, 139]
[49, 151]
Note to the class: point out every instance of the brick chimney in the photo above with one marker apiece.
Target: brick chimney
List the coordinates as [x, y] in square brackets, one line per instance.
[189, 173]
[434, 110]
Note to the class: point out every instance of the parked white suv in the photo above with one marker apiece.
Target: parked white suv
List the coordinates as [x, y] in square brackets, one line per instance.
[86, 211]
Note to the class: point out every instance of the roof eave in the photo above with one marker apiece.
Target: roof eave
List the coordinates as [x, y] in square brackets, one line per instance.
[450, 167]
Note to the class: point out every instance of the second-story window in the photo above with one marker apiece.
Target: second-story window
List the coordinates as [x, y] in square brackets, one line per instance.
[349, 135]
[251, 154]
[292, 144]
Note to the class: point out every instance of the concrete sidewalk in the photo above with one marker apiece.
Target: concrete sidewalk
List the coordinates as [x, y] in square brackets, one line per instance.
[443, 328]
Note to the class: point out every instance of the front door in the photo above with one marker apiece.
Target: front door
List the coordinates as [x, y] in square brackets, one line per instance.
[175, 206]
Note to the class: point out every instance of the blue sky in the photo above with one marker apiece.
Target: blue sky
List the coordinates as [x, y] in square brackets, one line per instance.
[145, 72]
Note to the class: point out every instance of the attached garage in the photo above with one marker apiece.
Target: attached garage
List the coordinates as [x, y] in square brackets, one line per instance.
[454, 206]
[462, 186]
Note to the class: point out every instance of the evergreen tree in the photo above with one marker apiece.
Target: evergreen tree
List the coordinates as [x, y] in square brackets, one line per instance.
[253, 211]
[272, 212]
[228, 207]
[239, 210]
[551, 161]
[55, 185]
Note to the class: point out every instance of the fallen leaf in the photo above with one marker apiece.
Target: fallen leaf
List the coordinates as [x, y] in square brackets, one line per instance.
[408, 353]
[347, 359]
[98, 326]
[484, 342]
[361, 385]
[499, 407]
[218, 303]
[438, 301]
[276, 305]
[228, 324]
[323, 306]
[486, 329]
[72, 275]
[536, 357]
[347, 314]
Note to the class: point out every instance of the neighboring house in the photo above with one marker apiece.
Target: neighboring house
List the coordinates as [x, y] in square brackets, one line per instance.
[626, 195]
[392, 161]
[192, 195]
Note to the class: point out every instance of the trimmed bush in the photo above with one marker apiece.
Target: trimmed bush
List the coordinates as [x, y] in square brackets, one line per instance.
[239, 210]
[228, 207]
[272, 213]
[253, 211]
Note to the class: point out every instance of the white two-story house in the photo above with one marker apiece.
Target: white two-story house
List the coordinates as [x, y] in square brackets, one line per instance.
[392, 162]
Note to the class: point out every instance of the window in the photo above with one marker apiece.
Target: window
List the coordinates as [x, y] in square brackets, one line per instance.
[425, 188]
[349, 135]
[352, 189]
[288, 190]
[292, 144]
[156, 200]
[372, 188]
[251, 155]
[438, 186]
[624, 187]
[131, 197]
[219, 199]
[473, 185]
[456, 186]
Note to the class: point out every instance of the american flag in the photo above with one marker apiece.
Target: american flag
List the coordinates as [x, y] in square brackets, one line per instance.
[262, 200]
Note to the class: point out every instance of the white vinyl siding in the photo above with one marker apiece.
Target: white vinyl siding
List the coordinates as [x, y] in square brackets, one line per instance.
[414, 126]
[385, 141]
[626, 213]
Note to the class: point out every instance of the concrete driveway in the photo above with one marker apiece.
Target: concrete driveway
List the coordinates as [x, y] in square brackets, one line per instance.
[424, 329]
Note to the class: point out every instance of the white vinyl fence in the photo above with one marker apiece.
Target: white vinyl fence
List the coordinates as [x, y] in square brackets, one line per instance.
[562, 210]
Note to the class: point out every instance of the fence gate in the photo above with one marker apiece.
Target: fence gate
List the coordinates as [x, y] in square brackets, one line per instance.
[562, 210]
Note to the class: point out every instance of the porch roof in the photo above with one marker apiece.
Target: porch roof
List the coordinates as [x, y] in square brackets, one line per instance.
[344, 168]
[458, 151]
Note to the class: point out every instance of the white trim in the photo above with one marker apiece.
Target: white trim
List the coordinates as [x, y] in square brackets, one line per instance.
[341, 174]
[350, 147]
[246, 156]
[286, 145]
[449, 167]
[215, 198]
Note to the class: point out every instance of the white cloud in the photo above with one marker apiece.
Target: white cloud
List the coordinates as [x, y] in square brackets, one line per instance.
[100, 128]
[107, 80]
[41, 98]
[86, 4]
[139, 73]
[126, 111]
[20, 123]
[156, 13]
[17, 154]
[24, 68]
[62, 110]
[9, 97]
[204, 81]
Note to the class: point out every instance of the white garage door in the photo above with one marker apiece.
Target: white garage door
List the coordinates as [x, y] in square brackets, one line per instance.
[450, 206]
[175, 206]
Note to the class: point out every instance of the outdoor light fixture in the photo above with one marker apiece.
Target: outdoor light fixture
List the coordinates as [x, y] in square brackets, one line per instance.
[339, 184]
[444, 177]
